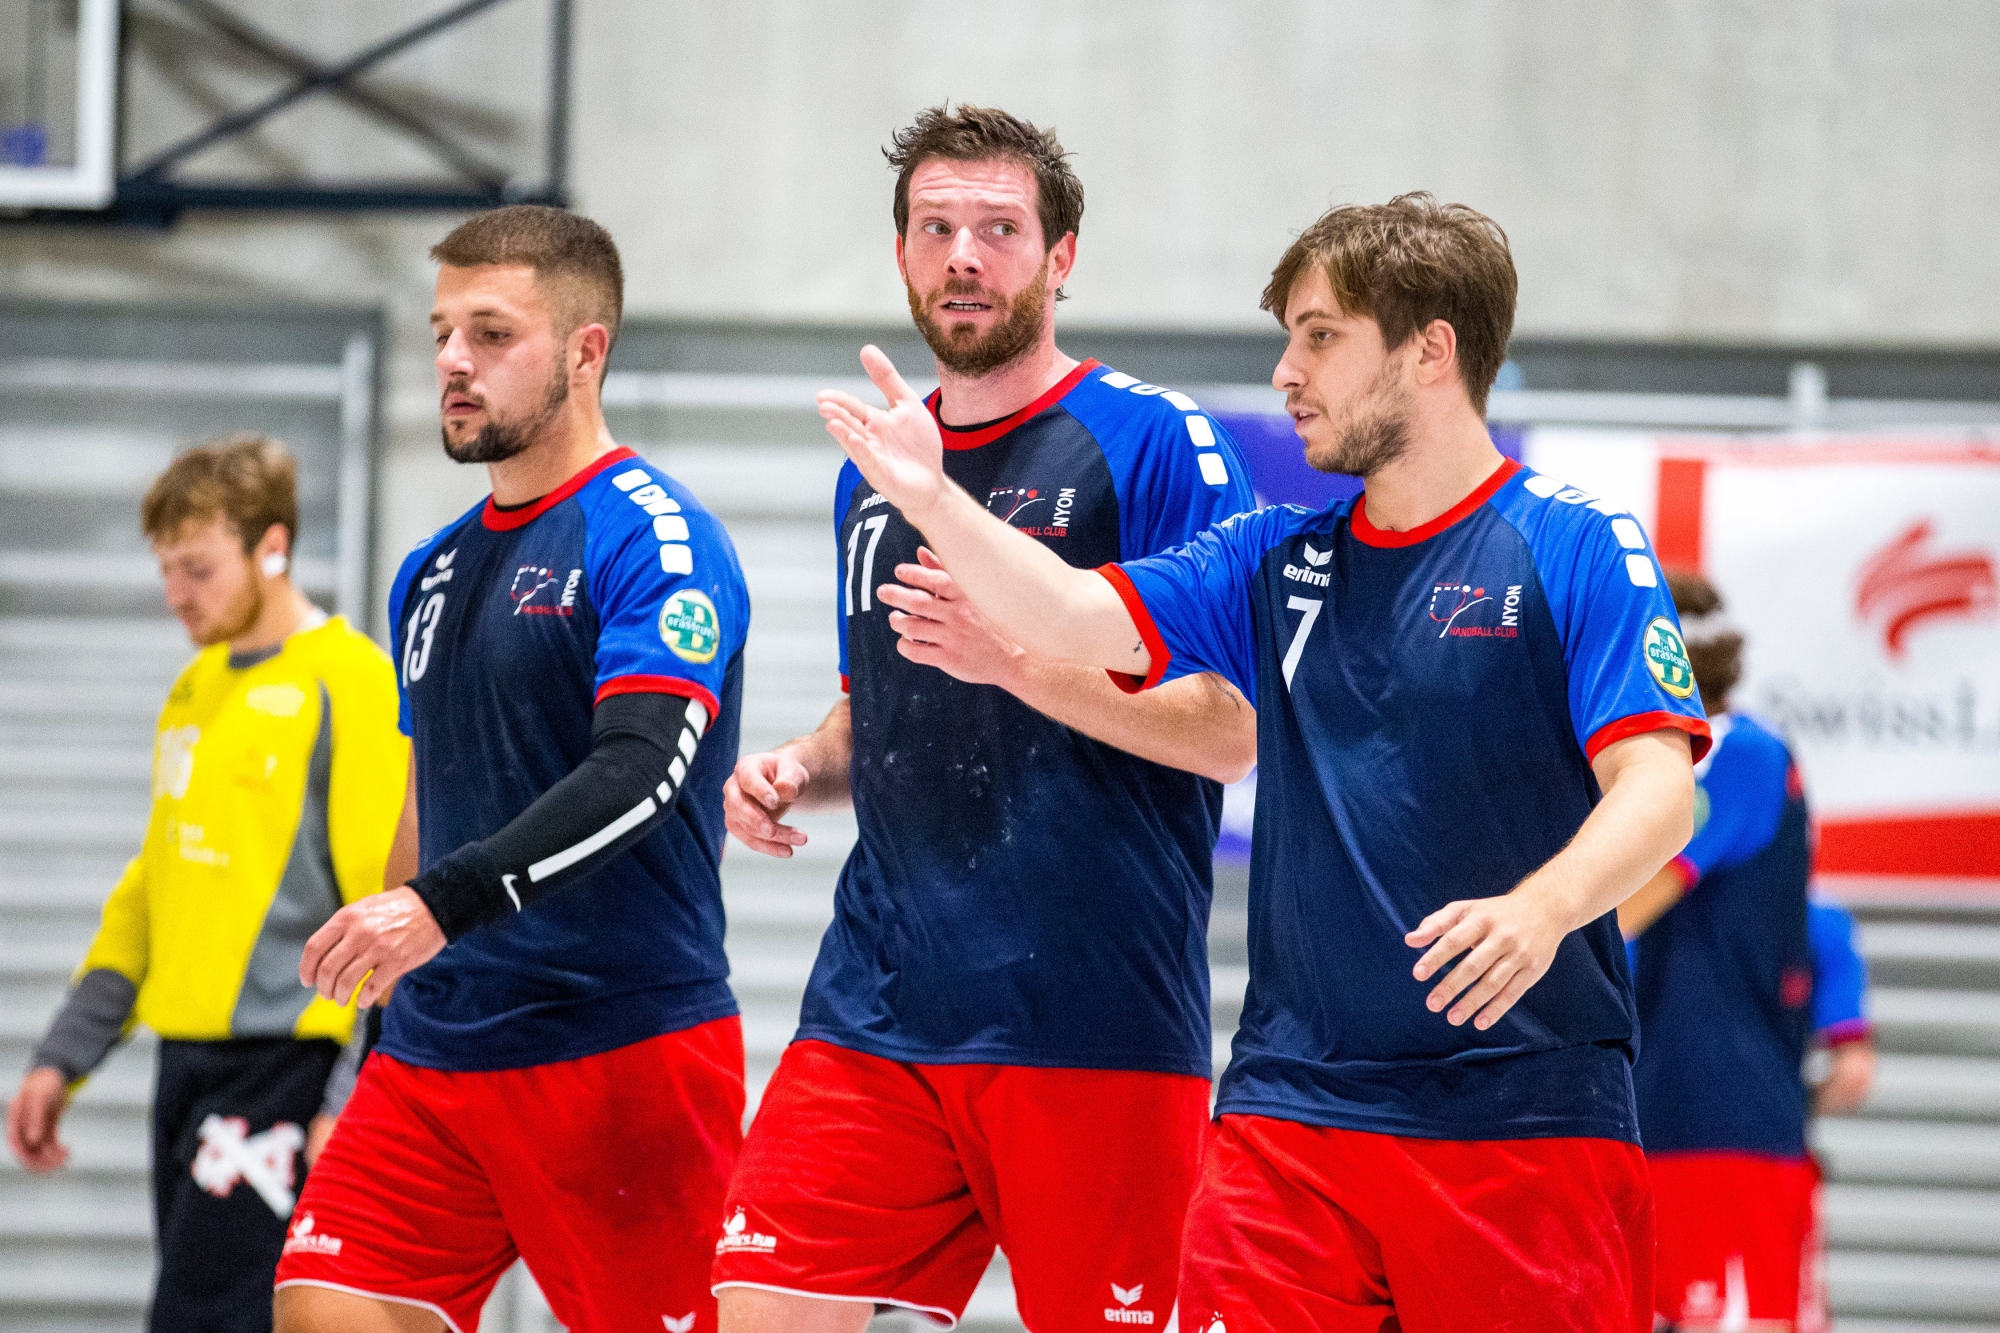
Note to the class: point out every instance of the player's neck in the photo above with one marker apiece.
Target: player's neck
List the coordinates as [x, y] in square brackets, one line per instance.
[285, 611]
[1450, 454]
[572, 440]
[968, 400]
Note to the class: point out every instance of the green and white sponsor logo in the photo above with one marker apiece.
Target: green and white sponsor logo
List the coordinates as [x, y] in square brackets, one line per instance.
[690, 627]
[1667, 658]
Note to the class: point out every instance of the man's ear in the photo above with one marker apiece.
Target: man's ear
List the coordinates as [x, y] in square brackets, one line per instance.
[590, 346]
[1062, 258]
[1437, 352]
[900, 269]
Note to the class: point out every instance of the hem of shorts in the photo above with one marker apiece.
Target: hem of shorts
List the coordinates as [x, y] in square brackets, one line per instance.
[1203, 1069]
[1761, 1154]
[938, 1313]
[437, 1310]
[1482, 1132]
[681, 1022]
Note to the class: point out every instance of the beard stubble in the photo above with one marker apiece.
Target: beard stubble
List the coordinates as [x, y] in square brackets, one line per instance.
[964, 352]
[1374, 433]
[502, 438]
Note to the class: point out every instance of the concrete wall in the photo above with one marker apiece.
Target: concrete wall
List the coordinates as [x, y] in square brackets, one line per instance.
[1774, 171]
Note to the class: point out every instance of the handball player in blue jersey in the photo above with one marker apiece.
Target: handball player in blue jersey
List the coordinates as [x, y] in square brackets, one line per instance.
[1006, 1038]
[1475, 724]
[1736, 971]
[559, 1075]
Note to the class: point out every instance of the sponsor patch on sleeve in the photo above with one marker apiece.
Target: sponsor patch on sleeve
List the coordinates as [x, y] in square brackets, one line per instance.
[1667, 659]
[690, 627]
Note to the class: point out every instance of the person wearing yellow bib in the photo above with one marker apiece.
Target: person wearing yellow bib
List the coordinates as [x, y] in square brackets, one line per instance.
[278, 779]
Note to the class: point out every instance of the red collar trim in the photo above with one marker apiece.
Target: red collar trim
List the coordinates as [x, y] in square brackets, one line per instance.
[972, 439]
[506, 520]
[1369, 535]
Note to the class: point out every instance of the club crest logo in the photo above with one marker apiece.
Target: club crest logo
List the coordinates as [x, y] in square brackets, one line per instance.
[1667, 658]
[690, 627]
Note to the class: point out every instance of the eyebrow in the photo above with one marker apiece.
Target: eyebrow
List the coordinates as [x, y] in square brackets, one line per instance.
[483, 312]
[1314, 313]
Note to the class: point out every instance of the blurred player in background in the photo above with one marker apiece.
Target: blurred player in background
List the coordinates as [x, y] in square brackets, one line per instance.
[277, 775]
[1734, 972]
[560, 1071]
[1006, 1039]
[1469, 682]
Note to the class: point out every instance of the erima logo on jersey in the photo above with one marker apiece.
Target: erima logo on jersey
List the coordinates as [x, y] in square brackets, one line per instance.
[738, 1238]
[681, 1325]
[304, 1239]
[1126, 1298]
[669, 528]
[690, 627]
[1312, 576]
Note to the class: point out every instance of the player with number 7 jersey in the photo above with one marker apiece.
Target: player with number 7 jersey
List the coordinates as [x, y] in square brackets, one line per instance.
[1475, 728]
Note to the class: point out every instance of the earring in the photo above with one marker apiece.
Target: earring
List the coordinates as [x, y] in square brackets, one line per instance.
[274, 564]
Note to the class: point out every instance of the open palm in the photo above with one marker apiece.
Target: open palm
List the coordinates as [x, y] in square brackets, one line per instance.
[897, 448]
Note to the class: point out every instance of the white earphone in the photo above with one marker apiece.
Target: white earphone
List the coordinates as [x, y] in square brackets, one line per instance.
[274, 564]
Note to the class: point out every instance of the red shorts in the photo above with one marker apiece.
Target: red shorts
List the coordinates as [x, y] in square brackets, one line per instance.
[866, 1179]
[1737, 1235]
[1300, 1227]
[606, 1174]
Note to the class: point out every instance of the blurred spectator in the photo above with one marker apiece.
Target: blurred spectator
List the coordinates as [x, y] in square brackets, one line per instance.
[278, 776]
[1723, 969]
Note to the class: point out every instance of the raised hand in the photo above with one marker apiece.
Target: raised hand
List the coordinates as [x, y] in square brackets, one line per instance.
[897, 448]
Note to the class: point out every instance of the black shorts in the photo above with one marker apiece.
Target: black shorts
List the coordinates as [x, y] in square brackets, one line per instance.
[229, 1123]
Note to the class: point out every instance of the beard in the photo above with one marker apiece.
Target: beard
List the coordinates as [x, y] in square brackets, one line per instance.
[959, 347]
[503, 437]
[237, 621]
[1374, 433]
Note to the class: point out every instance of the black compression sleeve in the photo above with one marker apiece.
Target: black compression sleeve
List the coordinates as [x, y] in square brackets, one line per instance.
[641, 746]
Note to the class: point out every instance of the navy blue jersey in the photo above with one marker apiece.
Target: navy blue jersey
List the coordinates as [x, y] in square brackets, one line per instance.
[1725, 976]
[1840, 976]
[1021, 894]
[511, 625]
[1428, 704]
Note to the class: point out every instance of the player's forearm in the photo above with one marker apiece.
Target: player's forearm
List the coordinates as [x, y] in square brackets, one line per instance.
[1645, 817]
[642, 747]
[1199, 723]
[1026, 590]
[827, 755]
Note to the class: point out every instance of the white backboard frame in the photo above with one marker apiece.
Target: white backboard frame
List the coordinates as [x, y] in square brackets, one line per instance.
[92, 180]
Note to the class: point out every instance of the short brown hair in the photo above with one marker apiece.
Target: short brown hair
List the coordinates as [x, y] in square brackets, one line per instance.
[980, 134]
[1714, 646]
[250, 480]
[1408, 262]
[574, 256]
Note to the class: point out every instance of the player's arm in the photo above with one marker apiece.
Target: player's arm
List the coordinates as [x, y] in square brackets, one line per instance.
[809, 773]
[1200, 723]
[641, 747]
[1839, 1011]
[1652, 901]
[94, 1017]
[1505, 945]
[1026, 590]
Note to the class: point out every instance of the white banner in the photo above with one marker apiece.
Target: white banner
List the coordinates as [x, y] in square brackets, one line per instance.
[1865, 576]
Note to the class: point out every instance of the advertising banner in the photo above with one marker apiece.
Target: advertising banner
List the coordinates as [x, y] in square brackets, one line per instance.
[1862, 573]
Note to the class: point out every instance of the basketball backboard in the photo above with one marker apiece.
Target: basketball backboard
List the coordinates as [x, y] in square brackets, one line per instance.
[58, 94]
